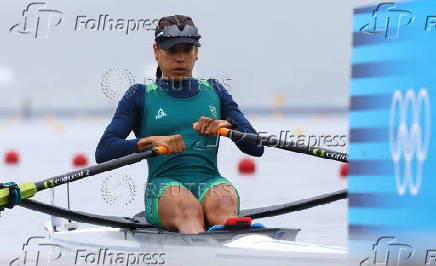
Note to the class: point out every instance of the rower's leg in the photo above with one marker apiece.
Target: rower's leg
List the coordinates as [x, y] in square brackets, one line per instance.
[219, 203]
[179, 210]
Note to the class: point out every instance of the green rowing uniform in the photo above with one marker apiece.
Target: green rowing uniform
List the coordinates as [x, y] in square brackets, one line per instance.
[194, 169]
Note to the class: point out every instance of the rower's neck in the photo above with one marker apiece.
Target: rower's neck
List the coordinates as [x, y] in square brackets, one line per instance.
[179, 88]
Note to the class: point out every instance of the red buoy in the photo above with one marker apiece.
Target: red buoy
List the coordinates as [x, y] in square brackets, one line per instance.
[247, 166]
[12, 157]
[344, 170]
[80, 160]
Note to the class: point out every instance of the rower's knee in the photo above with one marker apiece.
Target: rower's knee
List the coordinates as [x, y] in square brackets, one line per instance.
[223, 208]
[189, 213]
[225, 205]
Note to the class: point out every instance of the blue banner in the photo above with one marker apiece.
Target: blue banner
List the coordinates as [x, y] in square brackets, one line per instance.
[392, 186]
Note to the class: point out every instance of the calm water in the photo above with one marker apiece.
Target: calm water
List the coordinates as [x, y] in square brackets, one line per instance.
[46, 147]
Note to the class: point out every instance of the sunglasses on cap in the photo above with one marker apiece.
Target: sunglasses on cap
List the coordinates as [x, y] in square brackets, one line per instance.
[172, 35]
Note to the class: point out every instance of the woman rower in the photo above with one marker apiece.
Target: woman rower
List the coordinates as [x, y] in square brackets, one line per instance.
[184, 188]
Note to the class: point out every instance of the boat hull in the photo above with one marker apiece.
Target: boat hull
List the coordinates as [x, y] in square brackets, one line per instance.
[271, 246]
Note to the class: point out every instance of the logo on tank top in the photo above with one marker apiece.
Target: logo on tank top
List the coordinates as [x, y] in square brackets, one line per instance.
[212, 110]
[160, 114]
[205, 143]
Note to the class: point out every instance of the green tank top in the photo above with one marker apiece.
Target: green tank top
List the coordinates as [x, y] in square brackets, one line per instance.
[165, 115]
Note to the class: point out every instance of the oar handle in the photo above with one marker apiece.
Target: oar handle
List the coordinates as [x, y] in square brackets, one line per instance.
[224, 132]
[271, 141]
[161, 149]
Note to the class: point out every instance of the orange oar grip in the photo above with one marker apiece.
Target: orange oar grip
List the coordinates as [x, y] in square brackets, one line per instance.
[162, 149]
[223, 132]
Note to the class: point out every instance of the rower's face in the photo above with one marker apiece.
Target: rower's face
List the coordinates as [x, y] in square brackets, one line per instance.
[178, 61]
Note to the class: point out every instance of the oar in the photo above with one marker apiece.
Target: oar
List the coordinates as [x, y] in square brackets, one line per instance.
[11, 193]
[272, 141]
[138, 221]
[299, 205]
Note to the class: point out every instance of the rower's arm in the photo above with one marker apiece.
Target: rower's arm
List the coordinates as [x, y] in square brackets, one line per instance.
[230, 110]
[113, 143]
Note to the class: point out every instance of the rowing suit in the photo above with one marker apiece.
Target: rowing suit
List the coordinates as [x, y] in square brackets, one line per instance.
[171, 109]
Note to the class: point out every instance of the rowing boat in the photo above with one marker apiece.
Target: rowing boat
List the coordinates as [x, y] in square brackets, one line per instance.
[137, 242]
[249, 246]
[133, 235]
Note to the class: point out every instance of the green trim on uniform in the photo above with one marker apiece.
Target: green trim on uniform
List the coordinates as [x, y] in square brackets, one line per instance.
[152, 201]
[204, 82]
[151, 87]
[215, 182]
[199, 191]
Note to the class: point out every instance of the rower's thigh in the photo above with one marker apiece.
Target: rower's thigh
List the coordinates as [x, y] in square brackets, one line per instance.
[221, 197]
[178, 203]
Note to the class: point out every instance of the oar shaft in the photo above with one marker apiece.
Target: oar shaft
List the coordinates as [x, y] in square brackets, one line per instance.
[272, 141]
[100, 168]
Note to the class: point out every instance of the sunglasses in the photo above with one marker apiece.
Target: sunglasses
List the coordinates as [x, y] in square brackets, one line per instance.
[173, 31]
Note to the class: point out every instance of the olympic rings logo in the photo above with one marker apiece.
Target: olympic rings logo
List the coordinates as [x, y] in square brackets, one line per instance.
[409, 142]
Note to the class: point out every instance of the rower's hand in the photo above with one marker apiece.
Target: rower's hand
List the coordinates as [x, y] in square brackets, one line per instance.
[174, 143]
[207, 126]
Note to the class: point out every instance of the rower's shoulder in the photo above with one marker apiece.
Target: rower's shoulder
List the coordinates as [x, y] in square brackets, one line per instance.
[134, 96]
[215, 84]
[135, 90]
[219, 88]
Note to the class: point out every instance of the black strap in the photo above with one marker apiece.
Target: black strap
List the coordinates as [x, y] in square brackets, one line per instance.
[13, 195]
[1, 207]
[234, 124]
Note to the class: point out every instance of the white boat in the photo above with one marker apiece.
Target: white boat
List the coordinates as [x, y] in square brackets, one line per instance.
[132, 239]
[272, 246]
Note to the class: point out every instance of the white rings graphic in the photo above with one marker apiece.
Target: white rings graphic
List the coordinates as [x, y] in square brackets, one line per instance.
[409, 139]
[115, 82]
[118, 190]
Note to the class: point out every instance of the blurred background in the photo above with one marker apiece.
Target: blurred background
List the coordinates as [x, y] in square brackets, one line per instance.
[263, 51]
[286, 63]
